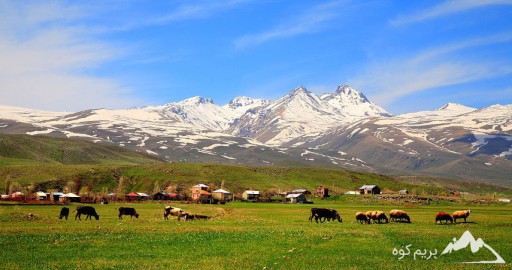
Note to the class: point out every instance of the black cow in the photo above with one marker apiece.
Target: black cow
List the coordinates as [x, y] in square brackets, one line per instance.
[127, 211]
[86, 210]
[64, 212]
[323, 214]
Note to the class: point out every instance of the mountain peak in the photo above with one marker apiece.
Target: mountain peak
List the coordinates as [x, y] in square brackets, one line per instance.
[455, 107]
[350, 93]
[300, 89]
[197, 100]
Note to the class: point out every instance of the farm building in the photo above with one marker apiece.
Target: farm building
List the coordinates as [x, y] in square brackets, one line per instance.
[42, 196]
[17, 196]
[251, 195]
[69, 197]
[403, 192]
[351, 192]
[137, 196]
[369, 189]
[295, 198]
[55, 196]
[322, 192]
[301, 191]
[200, 193]
[222, 195]
[159, 196]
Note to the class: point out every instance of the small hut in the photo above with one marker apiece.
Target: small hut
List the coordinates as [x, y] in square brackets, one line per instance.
[41, 196]
[222, 195]
[143, 196]
[403, 192]
[132, 196]
[69, 197]
[301, 191]
[322, 192]
[369, 189]
[55, 196]
[160, 196]
[251, 195]
[295, 198]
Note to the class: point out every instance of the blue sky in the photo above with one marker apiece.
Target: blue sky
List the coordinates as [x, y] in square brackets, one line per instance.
[404, 55]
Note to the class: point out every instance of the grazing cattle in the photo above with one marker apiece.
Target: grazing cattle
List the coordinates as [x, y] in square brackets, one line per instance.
[378, 216]
[86, 210]
[399, 215]
[362, 218]
[460, 214]
[443, 216]
[324, 213]
[128, 211]
[187, 216]
[173, 211]
[64, 212]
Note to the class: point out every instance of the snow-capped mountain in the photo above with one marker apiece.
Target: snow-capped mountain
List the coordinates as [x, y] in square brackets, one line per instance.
[342, 128]
[240, 105]
[302, 113]
[350, 102]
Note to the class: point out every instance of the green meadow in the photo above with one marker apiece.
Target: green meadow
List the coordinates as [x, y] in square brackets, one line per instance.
[247, 235]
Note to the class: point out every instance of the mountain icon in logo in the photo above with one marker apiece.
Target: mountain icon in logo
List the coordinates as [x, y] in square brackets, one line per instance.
[466, 240]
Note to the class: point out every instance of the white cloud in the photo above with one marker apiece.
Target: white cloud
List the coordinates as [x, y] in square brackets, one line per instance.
[308, 22]
[446, 8]
[47, 59]
[198, 10]
[440, 67]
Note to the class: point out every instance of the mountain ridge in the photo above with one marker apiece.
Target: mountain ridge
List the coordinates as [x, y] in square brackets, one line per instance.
[451, 141]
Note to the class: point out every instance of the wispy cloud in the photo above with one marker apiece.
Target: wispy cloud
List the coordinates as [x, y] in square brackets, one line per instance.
[198, 10]
[48, 59]
[440, 67]
[446, 8]
[310, 21]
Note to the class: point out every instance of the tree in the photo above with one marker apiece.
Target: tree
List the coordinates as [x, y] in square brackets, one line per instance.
[15, 187]
[7, 184]
[120, 187]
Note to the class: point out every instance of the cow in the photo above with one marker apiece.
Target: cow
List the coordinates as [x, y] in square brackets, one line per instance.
[323, 214]
[443, 216]
[173, 211]
[86, 210]
[64, 212]
[187, 216]
[128, 211]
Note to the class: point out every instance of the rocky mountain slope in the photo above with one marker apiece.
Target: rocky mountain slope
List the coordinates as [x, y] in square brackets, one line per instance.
[339, 129]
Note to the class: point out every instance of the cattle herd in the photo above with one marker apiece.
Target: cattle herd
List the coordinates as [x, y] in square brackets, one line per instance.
[323, 214]
[318, 214]
[90, 212]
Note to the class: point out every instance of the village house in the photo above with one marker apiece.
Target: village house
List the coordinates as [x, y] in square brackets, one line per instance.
[42, 196]
[69, 197]
[160, 196]
[201, 194]
[296, 198]
[136, 196]
[222, 195]
[322, 192]
[251, 195]
[369, 189]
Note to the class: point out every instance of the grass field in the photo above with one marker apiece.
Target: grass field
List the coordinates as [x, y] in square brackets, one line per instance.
[244, 235]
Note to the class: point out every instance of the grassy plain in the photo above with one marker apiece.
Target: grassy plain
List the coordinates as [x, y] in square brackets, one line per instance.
[245, 235]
